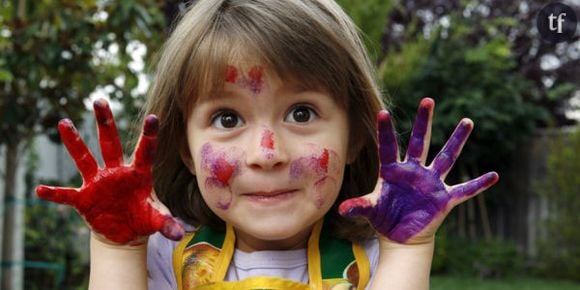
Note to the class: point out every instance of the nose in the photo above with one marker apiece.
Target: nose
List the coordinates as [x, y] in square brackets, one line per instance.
[265, 150]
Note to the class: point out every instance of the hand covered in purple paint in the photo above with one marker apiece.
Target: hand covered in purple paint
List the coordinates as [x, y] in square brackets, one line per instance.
[411, 199]
[116, 201]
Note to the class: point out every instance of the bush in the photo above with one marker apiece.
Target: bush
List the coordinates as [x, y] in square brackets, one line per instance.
[560, 250]
[485, 259]
[56, 248]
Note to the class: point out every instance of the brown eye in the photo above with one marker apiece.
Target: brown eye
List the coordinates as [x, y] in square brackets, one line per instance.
[301, 114]
[226, 120]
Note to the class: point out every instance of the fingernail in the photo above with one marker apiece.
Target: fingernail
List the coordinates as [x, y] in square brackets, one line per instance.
[151, 125]
[172, 229]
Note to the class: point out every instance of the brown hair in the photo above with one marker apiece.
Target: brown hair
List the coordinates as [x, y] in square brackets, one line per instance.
[310, 41]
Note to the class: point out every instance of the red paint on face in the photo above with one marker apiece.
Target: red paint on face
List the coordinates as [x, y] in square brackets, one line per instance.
[256, 74]
[323, 161]
[223, 171]
[231, 74]
[256, 81]
[267, 139]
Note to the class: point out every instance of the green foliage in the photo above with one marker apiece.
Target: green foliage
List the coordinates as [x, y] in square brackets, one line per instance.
[452, 282]
[64, 259]
[466, 78]
[54, 54]
[559, 251]
[485, 259]
[370, 16]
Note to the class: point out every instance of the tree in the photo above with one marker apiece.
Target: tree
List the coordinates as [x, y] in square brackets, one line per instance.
[53, 55]
[552, 70]
[559, 251]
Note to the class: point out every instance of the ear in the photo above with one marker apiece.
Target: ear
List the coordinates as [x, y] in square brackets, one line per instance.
[186, 157]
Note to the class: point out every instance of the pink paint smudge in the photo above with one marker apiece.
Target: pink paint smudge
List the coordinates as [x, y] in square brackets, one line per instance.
[267, 139]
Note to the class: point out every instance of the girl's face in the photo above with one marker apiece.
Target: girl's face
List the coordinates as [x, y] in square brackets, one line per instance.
[269, 156]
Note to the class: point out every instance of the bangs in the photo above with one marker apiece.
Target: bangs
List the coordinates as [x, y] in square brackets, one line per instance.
[243, 37]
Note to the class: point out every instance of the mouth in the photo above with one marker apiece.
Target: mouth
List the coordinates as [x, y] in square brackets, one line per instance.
[270, 196]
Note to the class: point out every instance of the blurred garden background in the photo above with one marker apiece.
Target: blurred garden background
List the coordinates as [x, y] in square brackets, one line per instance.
[478, 58]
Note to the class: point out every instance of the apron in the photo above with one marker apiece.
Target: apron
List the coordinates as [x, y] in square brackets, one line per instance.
[201, 261]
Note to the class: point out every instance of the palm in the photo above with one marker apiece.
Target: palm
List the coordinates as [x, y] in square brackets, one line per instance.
[116, 201]
[411, 199]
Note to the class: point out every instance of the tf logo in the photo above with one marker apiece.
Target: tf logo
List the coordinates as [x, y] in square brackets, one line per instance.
[557, 22]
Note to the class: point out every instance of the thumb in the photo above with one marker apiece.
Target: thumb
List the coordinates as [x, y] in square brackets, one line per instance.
[172, 229]
[357, 206]
[168, 226]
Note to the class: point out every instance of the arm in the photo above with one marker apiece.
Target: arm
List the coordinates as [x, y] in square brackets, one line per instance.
[411, 200]
[117, 202]
[117, 267]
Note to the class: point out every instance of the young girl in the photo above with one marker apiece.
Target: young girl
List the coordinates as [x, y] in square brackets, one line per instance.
[261, 140]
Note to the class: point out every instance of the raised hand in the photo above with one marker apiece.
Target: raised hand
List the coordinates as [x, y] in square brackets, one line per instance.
[117, 201]
[411, 199]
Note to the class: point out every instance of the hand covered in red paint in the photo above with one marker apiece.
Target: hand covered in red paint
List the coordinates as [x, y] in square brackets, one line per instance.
[116, 201]
[411, 200]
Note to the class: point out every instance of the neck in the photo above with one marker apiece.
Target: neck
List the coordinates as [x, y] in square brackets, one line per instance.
[248, 243]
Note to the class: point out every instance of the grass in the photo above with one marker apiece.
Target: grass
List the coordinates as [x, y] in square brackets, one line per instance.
[525, 283]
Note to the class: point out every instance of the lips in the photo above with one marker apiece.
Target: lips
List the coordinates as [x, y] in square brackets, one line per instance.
[269, 193]
[270, 197]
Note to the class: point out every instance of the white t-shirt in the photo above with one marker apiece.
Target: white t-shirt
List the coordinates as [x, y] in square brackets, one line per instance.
[291, 264]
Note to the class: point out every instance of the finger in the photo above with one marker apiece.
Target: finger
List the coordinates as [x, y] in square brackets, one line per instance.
[172, 229]
[145, 151]
[77, 149]
[445, 159]
[62, 195]
[388, 148]
[421, 134]
[162, 221]
[466, 190]
[108, 135]
[358, 206]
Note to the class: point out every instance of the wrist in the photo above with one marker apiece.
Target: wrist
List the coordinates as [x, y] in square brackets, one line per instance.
[115, 266]
[423, 249]
[403, 266]
[102, 241]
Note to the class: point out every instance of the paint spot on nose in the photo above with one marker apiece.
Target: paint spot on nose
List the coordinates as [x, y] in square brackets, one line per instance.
[222, 170]
[267, 139]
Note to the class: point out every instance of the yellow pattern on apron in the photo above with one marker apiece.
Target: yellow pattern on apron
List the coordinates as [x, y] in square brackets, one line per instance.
[204, 266]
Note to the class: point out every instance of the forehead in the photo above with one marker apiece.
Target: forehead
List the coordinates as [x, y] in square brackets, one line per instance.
[251, 72]
[220, 59]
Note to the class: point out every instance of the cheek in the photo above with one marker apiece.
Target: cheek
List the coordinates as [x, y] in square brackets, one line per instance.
[216, 169]
[316, 162]
[321, 170]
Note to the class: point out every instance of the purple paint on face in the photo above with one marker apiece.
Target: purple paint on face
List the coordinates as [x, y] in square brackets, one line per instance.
[412, 195]
[221, 169]
[315, 163]
[256, 79]
[318, 168]
[318, 187]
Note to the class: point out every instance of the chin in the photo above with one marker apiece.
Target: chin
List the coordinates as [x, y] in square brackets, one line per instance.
[276, 229]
